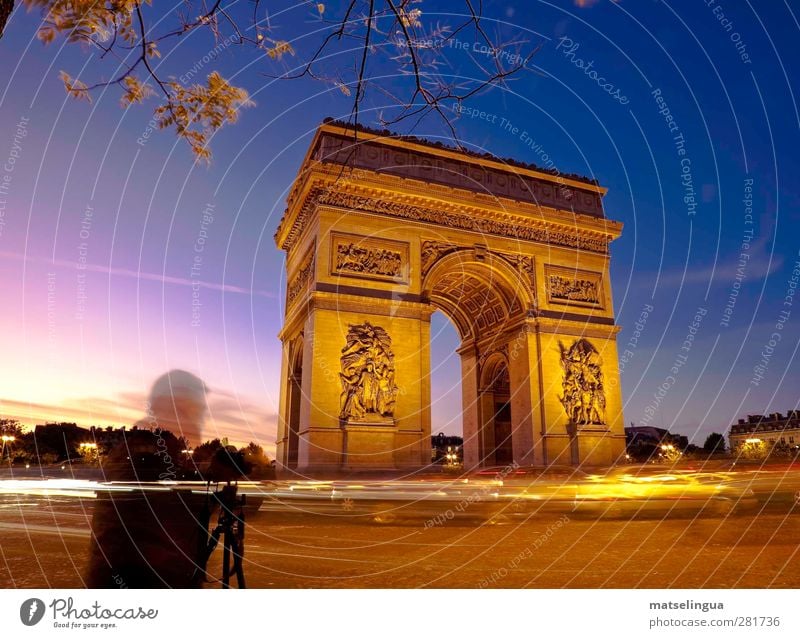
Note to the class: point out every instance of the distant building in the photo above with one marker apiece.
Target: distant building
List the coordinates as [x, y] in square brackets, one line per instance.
[772, 429]
[644, 434]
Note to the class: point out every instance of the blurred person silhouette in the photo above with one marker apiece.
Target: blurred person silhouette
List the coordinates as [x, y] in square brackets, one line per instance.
[145, 538]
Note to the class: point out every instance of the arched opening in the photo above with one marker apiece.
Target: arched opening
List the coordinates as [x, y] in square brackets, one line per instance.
[295, 396]
[494, 394]
[484, 297]
[445, 384]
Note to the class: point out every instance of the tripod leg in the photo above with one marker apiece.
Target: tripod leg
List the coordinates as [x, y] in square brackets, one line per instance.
[226, 560]
[239, 545]
[200, 573]
[238, 568]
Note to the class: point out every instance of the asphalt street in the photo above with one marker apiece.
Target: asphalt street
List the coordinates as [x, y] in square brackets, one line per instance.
[44, 543]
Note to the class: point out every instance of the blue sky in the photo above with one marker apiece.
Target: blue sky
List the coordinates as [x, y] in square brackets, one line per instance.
[88, 349]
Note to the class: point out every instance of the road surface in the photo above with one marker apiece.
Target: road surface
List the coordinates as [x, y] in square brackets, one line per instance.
[44, 542]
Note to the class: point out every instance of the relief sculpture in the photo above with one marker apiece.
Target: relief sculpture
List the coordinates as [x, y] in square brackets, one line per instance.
[301, 279]
[374, 261]
[573, 289]
[367, 375]
[432, 250]
[584, 396]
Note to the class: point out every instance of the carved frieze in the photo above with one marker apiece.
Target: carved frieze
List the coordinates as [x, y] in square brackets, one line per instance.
[514, 227]
[574, 287]
[583, 395]
[369, 391]
[301, 279]
[366, 257]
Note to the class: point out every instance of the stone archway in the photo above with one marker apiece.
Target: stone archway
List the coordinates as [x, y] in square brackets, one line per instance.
[488, 297]
[495, 434]
[380, 232]
[294, 393]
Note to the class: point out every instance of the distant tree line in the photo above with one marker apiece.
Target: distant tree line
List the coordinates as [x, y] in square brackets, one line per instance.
[54, 443]
[670, 447]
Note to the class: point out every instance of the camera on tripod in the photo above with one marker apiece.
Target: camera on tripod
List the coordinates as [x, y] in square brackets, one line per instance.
[227, 466]
[230, 529]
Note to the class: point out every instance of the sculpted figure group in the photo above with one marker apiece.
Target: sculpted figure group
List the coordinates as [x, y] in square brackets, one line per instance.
[367, 375]
[573, 289]
[358, 259]
[584, 398]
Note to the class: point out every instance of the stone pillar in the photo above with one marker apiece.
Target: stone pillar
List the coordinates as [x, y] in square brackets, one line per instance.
[608, 445]
[292, 438]
[397, 440]
[583, 444]
[486, 442]
[413, 437]
[470, 407]
[525, 410]
[284, 407]
[320, 435]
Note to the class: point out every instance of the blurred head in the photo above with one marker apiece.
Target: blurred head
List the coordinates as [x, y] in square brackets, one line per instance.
[178, 403]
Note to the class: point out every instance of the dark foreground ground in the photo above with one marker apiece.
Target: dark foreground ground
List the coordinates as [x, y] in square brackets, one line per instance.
[44, 540]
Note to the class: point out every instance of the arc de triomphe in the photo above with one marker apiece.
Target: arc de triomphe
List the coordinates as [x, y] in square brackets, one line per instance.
[380, 232]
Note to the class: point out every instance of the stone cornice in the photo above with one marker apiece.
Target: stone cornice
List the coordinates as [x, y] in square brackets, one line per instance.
[343, 302]
[583, 327]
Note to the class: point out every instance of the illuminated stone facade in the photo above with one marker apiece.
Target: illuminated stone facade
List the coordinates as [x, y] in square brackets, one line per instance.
[772, 430]
[380, 232]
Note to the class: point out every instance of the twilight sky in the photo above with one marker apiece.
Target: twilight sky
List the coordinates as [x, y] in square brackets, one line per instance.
[686, 111]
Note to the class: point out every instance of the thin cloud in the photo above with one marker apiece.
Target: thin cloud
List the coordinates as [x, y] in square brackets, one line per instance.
[759, 265]
[85, 411]
[139, 275]
[756, 270]
[241, 421]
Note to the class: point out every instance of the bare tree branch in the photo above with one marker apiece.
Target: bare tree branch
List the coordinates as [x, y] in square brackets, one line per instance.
[6, 8]
[391, 30]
